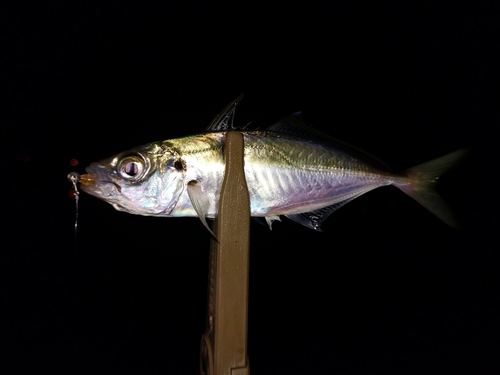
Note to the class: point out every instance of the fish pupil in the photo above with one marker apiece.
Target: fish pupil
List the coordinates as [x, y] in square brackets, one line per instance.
[131, 169]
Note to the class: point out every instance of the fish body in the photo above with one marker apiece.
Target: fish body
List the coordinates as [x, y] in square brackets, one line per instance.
[285, 175]
[290, 168]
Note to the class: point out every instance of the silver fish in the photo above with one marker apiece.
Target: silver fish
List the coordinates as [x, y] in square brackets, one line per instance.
[291, 169]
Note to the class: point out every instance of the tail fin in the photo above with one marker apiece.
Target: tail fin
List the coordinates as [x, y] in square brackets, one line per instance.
[420, 182]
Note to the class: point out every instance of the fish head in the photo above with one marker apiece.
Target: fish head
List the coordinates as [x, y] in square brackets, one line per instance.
[146, 180]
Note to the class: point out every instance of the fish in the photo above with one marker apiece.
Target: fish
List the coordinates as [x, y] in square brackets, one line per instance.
[291, 170]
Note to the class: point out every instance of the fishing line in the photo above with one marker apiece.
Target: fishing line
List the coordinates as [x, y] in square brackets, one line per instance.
[74, 177]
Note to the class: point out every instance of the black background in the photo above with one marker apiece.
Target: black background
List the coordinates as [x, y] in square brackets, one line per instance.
[386, 288]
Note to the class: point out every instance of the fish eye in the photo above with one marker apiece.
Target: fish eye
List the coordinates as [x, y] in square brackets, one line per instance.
[131, 167]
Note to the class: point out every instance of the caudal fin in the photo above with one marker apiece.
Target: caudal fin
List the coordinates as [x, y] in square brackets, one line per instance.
[421, 180]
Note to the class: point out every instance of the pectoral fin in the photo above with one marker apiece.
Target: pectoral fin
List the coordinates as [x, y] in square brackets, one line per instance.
[200, 203]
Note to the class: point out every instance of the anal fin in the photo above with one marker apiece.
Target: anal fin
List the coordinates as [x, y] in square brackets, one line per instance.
[266, 220]
[314, 219]
[270, 219]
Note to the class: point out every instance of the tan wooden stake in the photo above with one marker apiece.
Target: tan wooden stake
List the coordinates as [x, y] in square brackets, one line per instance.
[224, 344]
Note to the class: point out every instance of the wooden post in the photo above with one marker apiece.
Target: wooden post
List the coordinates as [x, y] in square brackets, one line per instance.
[224, 344]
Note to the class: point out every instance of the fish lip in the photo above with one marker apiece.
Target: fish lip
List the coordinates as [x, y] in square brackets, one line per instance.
[101, 184]
[97, 190]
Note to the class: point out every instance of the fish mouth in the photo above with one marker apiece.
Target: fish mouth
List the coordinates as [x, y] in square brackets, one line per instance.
[86, 179]
[103, 188]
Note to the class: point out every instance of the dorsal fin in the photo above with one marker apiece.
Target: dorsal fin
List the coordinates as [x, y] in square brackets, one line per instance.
[295, 125]
[223, 120]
